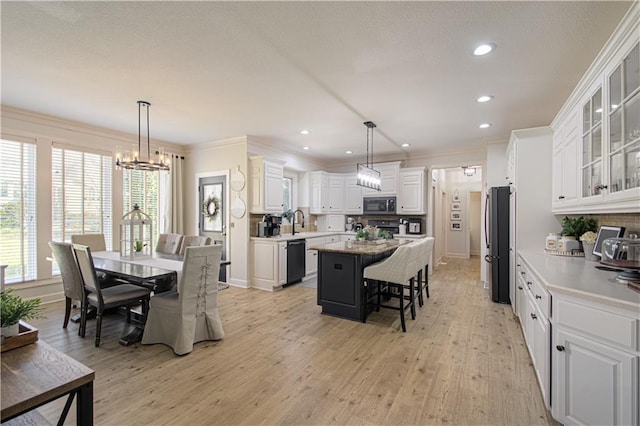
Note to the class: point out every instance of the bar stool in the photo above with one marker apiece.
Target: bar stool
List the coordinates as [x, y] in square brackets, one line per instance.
[395, 272]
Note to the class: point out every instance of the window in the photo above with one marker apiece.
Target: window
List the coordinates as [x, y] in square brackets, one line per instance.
[287, 189]
[18, 209]
[145, 189]
[81, 194]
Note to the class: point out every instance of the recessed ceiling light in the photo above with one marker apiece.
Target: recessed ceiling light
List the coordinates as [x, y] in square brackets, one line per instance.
[484, 98]
[404, 145]
[349, 152]
[485, 125]
[306, 148]
[483, 49]
[304, 132]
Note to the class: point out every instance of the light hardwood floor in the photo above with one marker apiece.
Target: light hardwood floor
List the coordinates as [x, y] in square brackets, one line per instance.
[462, 361]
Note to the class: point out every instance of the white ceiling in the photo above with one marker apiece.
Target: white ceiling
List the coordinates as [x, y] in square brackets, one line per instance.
[216, 70]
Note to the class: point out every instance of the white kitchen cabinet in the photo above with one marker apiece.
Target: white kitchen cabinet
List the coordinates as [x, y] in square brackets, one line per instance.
[319, 192]
[605, 109]
[348, 237]
[412, 198]
[327, 193]
[389, 176]
[533, 310]
[269, 264]
[311, 263]
[595, 363]
[336, 193]
[331, 223]
[352, 195]
[565, 165]
[266, 185]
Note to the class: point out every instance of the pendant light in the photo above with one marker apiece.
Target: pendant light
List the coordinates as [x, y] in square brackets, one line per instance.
[134, 159]
[367, 176]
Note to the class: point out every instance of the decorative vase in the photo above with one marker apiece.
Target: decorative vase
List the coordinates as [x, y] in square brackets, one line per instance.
[588, 252]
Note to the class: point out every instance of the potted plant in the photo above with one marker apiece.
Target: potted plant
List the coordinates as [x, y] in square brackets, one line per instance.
[578, 226]
[13, 309]
[138, 246]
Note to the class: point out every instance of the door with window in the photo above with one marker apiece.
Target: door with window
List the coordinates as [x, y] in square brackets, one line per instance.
[213, 193]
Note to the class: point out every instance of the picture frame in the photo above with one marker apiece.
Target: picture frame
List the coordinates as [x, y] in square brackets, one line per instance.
[456, 205]
[455, 197]
[456, 215]
[606, 232]
[456, 226]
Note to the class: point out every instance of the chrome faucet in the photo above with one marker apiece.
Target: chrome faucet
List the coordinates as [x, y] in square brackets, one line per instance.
[293, 221]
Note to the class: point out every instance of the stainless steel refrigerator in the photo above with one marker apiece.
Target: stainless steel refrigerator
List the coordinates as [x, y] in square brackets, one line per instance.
[496, 228]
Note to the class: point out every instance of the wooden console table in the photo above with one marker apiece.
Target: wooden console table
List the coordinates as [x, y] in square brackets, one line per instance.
[36, 374]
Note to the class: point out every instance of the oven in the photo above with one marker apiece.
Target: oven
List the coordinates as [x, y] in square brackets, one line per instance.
[379, 205]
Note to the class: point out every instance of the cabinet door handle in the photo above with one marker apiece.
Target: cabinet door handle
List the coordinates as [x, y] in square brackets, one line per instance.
[561, 197]
[533, 316]
[519, 287]
[560, 348]
[538, 296]
[518, 265]
[522, 273]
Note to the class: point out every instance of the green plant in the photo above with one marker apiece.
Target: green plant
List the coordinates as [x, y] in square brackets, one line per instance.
[288, 214]
[575, 227]
[361, 234]
[384, 234]
[13, 308]
[138, 246]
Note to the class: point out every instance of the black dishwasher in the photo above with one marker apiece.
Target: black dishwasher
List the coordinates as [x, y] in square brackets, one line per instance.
[296, 256]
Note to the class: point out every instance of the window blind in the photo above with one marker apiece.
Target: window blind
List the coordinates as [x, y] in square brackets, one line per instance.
[18, 209]
[143, 188]
[81, 195]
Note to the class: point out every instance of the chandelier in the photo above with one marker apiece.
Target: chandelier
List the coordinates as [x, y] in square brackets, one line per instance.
[133, 160]
[367, 176]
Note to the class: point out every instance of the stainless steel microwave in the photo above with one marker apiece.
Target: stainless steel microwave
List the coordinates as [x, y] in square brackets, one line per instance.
[379, 205]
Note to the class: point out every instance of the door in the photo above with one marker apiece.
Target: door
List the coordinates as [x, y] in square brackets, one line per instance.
[213, 194]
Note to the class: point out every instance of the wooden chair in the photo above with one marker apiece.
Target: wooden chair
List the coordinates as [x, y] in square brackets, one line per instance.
[94, 241]
[193, 241]
[393, 276]
[426, 248]
[104, 298]
[190, 315]
[71, 277]
[169, 243]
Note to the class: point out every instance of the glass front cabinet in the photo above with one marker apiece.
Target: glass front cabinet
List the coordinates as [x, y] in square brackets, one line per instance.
[610, 162]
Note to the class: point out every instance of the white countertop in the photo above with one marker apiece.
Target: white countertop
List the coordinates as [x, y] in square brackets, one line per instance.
[579, 277]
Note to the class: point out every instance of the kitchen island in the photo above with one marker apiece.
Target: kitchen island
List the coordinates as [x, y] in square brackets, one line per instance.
[341, 291]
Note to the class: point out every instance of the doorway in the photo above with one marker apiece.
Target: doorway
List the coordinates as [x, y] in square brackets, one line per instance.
[212, 199]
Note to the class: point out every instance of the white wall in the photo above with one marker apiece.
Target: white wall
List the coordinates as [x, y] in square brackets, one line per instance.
[496, 170]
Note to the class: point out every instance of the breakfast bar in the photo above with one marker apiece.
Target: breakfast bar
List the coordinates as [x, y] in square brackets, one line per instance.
[341, 291]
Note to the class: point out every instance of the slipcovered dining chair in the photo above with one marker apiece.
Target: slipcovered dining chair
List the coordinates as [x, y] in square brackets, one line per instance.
[395, 274]
[190, 315]
[71, 278]
[426, 248]
[193, 241]
[94, 241]
[169, 243]
[104, 298]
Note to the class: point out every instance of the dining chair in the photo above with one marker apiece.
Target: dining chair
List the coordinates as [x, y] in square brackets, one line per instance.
[393, 275]
[169, 243]
[190, 315]
[193, 241]
[71, 277]
[104, 298]
[95, 241]
[429, 242]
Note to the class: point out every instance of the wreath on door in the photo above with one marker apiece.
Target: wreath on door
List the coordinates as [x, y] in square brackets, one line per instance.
[211, 207]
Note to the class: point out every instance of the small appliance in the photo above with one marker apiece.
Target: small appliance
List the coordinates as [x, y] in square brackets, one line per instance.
[415, 226]
[269, 226]
[379, 205]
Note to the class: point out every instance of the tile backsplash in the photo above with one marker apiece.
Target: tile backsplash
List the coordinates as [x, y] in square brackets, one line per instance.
[631, 221]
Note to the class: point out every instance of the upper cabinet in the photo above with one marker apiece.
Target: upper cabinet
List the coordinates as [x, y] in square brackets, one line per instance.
[266, 185]
[319, 200]
[352, 195]
[411, 197]
[389, 177]
[596, 156]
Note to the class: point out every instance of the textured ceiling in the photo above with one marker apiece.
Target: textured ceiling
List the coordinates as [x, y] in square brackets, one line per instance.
[216, 70]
